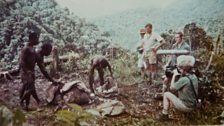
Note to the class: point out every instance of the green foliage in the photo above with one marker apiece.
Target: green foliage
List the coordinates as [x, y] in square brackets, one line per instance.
[106, 34]
[146, 122]
[219, 64]
[125, 67]
[74, 117]
[211, 79]
[70, 65]
[18, 118]
[8, 117]
[5, 116]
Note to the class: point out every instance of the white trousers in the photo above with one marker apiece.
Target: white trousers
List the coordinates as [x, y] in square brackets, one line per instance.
[169, 98]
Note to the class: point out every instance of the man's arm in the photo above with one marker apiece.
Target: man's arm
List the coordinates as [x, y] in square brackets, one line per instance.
[43, 70]
[179, 84]
[162, 42]
[105, 64]
[188, 48]
[109, 67]
[172, 86]
[91, 78]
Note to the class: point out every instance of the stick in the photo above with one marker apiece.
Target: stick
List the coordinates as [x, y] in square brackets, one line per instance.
[210, 61]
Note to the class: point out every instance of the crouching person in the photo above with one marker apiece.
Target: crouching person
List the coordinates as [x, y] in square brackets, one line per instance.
[186, 86]
[99, 63]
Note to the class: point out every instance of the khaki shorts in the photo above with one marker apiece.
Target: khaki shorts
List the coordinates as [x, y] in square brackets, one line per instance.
[151, 57]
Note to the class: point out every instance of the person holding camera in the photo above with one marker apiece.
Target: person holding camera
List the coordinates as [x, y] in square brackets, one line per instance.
[179, 44]
[186, 86]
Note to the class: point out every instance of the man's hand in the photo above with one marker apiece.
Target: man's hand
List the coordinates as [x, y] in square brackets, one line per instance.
[165, 66]
[56, 82]
[154, 49]
[175, 72]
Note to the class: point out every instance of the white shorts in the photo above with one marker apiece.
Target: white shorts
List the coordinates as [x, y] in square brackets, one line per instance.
[141, 63]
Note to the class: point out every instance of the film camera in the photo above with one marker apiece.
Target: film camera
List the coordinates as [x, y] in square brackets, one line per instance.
[169, 71]
[140, 50]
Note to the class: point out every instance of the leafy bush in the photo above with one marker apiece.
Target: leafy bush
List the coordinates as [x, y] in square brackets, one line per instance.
[125, 67]
[74, 117]
[8, 117]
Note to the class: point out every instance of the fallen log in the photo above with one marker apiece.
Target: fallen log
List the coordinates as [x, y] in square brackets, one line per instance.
[14, 72]
[172, 52]
[63, 58]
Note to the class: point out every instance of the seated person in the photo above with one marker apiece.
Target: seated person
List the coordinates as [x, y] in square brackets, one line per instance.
[186, 86]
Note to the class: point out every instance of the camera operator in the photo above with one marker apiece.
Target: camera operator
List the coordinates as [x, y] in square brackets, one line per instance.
[186, 86]
[179, 44]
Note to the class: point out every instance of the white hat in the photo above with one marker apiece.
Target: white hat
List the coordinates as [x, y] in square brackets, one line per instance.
[184, 60]
[142, 31]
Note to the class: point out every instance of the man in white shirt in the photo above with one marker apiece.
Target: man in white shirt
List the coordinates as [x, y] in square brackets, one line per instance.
[152, 42]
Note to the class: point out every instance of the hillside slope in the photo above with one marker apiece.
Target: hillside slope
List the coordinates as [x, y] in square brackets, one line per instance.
[18, 18]
[124, 27]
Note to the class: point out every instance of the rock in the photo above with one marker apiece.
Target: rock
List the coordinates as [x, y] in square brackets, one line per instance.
[77, 96]
[94, 112]
[51, 92]
[111, 108]
[71, 92]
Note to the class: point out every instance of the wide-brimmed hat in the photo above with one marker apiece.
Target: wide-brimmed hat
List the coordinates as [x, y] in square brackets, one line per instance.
[142, 31]
[185, 60]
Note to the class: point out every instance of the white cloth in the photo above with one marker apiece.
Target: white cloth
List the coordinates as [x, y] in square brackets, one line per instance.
[141, 61]
[170, 98]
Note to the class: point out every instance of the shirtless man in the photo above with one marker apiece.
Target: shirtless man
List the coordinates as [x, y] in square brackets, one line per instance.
[99, 63]
[28, 59]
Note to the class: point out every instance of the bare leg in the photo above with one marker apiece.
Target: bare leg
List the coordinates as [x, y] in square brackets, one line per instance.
[91, 76]
[22, 91]
[101, 75]
[26, 98]
[34, 93]
[153, 71]
[142, 72]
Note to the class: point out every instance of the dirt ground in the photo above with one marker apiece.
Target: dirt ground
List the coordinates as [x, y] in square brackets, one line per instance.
[141, 108]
